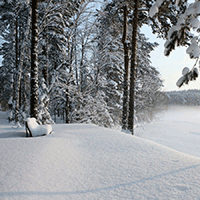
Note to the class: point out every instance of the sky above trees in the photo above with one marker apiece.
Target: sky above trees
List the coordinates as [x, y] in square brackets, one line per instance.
[170, 67]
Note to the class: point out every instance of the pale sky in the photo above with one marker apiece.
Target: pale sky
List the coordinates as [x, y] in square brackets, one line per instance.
[171, 67]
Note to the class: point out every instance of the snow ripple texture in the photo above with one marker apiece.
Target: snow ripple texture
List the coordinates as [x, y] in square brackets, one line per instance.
[83, 162]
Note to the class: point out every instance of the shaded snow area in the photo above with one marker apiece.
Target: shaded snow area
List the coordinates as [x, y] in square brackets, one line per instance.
[86, 162]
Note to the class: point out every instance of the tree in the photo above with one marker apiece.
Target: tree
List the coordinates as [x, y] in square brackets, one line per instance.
[181, 33]
[126, 69]
[110, 53]
[79, 66]
[34, 61]
[134, 50]
[133, 67]
[13, 37]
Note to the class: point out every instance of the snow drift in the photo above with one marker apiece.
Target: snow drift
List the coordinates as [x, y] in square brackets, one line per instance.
[38, 130]
[87, 162]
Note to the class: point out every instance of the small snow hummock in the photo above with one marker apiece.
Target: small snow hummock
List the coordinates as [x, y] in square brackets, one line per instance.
[154, 9]
[193, 50]
[38, 130]
[185, 71]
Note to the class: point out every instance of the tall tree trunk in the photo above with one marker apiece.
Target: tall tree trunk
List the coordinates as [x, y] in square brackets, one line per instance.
[18, 74]
[76, 59]
[45, 74]
[17, 85]
[67, 102]
[131, 116]
[126, 70]
[45, 67]
[67, 107]
[82, 68]
[34, 62]
[97, 81]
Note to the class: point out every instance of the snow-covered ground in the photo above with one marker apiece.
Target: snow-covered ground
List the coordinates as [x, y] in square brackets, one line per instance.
[87, 162]
[177, 128]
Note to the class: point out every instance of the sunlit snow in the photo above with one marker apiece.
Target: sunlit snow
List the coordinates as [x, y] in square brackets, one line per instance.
[86, 162]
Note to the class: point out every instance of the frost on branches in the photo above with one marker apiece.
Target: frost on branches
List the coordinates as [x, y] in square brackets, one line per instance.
[184, 33]
[43, 114]
[187, 76]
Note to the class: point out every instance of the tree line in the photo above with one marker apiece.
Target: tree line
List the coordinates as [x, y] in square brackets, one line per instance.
[65, 57]
[184, 98]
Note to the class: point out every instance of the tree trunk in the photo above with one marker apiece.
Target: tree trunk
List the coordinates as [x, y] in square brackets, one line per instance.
[133, 68]
[18, 73]
[97, 81]
[67, 103]
[67, 107]
[45, 53]
[126, 70]
[34, 62]
[82, 68]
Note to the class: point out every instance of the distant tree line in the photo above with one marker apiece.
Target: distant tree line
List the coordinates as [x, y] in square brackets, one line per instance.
[184, 98]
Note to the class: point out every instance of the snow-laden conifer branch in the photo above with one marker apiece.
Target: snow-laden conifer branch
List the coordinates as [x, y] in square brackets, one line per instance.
[180, 34]
[188, 75]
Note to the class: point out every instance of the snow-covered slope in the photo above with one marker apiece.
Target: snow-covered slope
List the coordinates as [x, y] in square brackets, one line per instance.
[87, 162]
[178, 128]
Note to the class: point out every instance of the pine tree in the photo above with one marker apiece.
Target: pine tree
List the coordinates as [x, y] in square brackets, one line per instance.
[181, 33]
[133, 67]
[126, 69]
[34, 61]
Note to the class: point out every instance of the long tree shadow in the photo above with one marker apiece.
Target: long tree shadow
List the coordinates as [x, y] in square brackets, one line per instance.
[117, 186]
[13, 134]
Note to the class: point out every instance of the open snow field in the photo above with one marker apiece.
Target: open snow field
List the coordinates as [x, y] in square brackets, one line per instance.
[85, 162]
[177, 128]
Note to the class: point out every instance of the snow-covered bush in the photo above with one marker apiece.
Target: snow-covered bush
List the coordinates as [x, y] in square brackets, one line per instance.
[96, 111]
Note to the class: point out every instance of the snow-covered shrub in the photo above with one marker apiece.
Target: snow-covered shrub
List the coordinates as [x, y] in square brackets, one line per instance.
[94, 111]
[44, 115]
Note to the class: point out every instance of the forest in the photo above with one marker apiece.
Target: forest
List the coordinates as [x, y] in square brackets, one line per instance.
[184, 98]
[88, 61]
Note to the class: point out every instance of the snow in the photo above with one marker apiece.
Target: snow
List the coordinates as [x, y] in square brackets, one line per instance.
[180, 81]
[178, 128]
[38, 130]
[155, 7]
[193, 49]
[190, 10]
[190, 13]
[195, 23]
[177, 2]
[197, 7]
[185, 71]
[88, 162]
[153, 10]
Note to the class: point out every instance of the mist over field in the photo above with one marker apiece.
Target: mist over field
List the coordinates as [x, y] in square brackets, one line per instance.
[178, 127]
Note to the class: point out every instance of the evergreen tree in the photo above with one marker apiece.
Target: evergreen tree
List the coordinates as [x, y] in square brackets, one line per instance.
[181, 33]
[34, 61]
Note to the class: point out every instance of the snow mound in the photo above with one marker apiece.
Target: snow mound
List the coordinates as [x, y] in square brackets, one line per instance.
[88, 162]
[38, 130]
